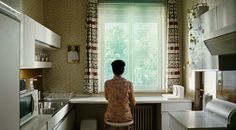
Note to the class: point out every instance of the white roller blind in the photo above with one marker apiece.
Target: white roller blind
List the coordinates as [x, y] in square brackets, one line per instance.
[135, 33]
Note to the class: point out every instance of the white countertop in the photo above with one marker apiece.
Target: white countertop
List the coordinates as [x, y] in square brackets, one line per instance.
[196, 119]
[36, 123]
[139, 100]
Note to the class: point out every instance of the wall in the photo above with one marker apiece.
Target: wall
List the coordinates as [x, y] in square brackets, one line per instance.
[34, 9]
[67, 18]
[209, 77]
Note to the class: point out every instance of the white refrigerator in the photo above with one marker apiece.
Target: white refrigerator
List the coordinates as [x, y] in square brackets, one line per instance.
[9, 68]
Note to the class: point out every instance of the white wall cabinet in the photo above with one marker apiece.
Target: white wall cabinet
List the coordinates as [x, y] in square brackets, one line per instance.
[37, 39]
[201, 59]
[226, 13]
[215, 22]
[208, 24]
[170, 107]
[46, 36]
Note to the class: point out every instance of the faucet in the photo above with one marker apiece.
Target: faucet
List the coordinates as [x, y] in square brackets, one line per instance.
[30, 81]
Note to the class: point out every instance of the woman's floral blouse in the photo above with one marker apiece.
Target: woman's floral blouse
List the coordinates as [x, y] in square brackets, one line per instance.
[120, 96]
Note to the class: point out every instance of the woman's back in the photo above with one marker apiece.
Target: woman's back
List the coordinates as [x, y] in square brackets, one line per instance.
[119, 93]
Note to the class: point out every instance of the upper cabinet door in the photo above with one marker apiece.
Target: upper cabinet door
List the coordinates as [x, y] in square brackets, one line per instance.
[209, 24]
[46, 36]
[226, 13]
[196, 45]
[28, 45]
[209, 21]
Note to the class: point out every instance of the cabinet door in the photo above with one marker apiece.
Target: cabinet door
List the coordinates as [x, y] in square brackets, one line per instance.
[46, 36]
[44, 127]
[168, 107]
[226, 13]
[165, 121]
[208, 23]
[174, 125]
[28, 45]
[195, 45]
[67, 122]
[201, 58]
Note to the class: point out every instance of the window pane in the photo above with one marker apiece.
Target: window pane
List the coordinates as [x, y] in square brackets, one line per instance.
[145, 54]
[115, 46]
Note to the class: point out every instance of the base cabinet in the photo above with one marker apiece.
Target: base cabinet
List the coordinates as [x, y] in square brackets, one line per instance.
[171, 107]
[67, 123]
[45, 127]
[174, 125]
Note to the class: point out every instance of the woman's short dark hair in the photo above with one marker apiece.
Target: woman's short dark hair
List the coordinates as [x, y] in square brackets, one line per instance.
[118, 67]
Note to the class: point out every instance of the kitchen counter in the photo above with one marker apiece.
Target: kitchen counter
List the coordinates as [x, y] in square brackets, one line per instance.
[37, 123]
[159, 105]
[139, 100]
[196, 120]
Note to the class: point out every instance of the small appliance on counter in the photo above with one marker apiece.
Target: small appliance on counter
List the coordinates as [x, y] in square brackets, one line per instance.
[28, 106]
[223, 111]
[178, 92]
[206, 98]
[218, 115]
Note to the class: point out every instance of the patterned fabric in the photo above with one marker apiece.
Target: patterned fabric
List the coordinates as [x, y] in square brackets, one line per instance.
[120, 96]
[91, 69]
[173, 47]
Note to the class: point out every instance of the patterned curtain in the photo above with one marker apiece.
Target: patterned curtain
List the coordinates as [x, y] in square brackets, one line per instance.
[173, 47]
[91, 69]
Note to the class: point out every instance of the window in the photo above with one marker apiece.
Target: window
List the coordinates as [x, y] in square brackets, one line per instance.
[135, 33]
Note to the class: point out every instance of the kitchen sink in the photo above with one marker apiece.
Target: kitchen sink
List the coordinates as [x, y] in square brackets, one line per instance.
[50, 107]
[53, 102]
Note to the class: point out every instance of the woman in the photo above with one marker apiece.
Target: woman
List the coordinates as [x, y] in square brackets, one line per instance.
[119, 94]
